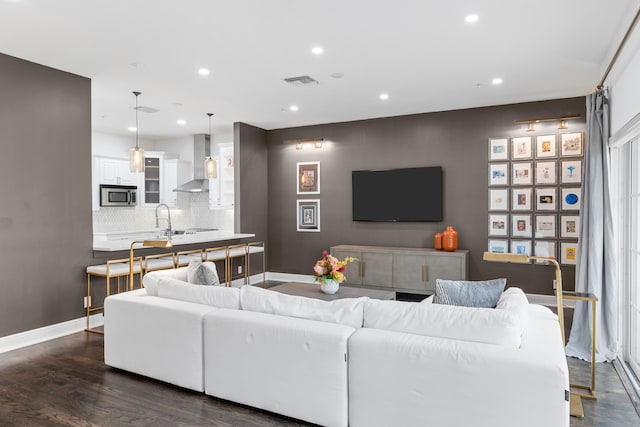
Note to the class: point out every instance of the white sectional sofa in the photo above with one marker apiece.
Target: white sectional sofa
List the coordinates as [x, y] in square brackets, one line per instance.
[357, 362]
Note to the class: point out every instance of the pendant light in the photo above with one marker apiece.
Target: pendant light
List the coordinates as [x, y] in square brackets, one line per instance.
[210, 165]
[136, 155]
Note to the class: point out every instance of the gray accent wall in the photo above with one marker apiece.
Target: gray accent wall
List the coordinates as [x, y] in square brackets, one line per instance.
[45, 188]
[455, 140]
[252, 178]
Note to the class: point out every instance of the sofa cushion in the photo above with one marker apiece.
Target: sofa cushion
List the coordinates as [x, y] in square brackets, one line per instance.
[484, 325]
[515, 301]
[348, 311]
[202, 273]
[484, 293]
[150, 280]
[216, 296]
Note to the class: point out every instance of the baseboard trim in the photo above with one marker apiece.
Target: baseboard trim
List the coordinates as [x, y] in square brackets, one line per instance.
[46, 333]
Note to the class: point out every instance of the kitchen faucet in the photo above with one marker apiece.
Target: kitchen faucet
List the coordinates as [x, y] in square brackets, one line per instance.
[168, 219]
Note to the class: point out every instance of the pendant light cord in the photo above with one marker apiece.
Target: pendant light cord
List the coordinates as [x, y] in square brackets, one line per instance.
[136, 94]
[210, 114]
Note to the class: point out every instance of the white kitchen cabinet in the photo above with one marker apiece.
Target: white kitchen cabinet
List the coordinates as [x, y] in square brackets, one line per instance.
[221, 189]
[115, 171]
[175, 173]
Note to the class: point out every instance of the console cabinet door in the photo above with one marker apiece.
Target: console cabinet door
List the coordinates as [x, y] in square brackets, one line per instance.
[376, 269]
[410, 272]
[444, 267]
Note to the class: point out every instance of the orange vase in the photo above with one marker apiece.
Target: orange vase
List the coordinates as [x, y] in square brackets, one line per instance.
[437, 241]
[450, 239]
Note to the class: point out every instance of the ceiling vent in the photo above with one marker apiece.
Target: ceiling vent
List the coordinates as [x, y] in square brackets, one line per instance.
[301, 80]
[145, 109]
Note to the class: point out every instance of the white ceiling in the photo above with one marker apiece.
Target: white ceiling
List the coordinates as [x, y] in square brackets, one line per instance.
[421, 52]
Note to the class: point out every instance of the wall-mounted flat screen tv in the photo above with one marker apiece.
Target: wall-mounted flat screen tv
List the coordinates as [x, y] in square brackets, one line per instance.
[402, 195]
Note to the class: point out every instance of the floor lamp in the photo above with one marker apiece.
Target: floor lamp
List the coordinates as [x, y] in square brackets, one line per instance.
[148, 243]
[575, 402]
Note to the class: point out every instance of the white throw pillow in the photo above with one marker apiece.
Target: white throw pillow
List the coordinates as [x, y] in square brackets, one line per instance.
[348, 311]
[150, 280]
[515, 301]
[216, 296]
[202, 273]
[428, 300]
[485, 325]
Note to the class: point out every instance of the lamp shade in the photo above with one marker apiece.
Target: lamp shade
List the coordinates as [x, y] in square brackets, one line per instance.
[211, 168]
[136, 159]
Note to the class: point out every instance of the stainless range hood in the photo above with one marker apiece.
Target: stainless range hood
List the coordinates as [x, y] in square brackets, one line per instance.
[201, 150]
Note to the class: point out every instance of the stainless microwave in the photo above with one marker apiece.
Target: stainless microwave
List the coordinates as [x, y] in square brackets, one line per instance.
[118, 195]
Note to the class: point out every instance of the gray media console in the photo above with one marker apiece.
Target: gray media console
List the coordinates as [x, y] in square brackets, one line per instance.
[411, 270]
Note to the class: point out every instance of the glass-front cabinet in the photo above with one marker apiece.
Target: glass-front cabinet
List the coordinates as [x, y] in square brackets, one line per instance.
[152, 185]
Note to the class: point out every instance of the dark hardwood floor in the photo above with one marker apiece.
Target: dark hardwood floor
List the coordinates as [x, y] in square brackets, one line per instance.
[64, 382]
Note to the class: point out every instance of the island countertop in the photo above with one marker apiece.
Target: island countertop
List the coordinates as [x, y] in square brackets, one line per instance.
[119, 241]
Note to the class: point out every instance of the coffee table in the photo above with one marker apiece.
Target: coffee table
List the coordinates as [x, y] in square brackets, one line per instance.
[312, 290]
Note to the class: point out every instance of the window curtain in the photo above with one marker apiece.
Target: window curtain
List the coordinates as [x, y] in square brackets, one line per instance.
[595, 269]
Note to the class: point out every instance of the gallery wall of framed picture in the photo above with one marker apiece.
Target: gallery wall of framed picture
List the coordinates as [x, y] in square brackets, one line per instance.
[534, 191]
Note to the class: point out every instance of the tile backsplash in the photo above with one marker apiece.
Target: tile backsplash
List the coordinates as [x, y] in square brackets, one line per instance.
[195, 214]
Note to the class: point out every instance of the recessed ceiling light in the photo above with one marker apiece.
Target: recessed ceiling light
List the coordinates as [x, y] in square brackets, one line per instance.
[131, 128]
[204, 71]
[496, 81]
[471, 18]
[293, 107]
[181, 122]
[384, 96]
[337, 75]
[317, 50]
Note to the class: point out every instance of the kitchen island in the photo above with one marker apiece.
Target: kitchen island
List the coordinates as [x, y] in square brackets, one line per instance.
[121, 241]
[115, 246]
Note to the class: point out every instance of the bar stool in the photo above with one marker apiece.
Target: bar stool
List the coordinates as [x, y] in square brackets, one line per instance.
[234, 252]
[115, 268]
[256, 248]
[217, 254]
[159, 262]
[185, 257]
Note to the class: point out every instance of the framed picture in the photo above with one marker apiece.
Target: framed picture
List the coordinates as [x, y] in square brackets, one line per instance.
[498, 199]
[545, 226]
[546, 146]
[544, 248]
[521, 225]
[498, 174]
[571, 199]
[569, 226]
[498, 246]
[498, 149]
[546, 173]
[308, 215]
[571, 144]
[498, 225]
[545, 199]
[571, 171]
[521, 247]
[568, 253]
[522, 174]
[521, 199]
[521, 148]
[308, 178]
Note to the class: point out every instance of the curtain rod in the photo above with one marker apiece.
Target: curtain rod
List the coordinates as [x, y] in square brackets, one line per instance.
[615, 55]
